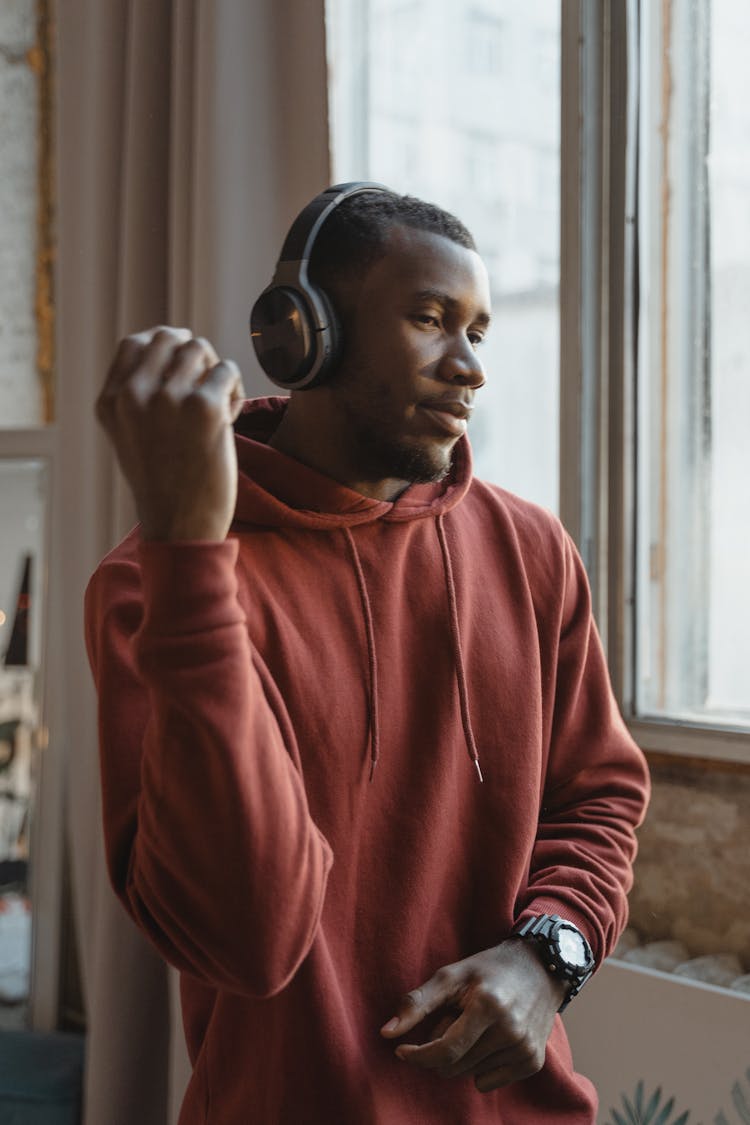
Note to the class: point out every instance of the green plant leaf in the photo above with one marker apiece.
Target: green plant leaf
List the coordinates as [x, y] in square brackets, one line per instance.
[663, 1118]
[741, 1104]
[652, 1112]
[634, 1117]
[651, 1108]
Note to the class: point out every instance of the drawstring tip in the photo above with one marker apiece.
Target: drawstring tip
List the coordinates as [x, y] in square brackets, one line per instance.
[373, 763]
[478, 769]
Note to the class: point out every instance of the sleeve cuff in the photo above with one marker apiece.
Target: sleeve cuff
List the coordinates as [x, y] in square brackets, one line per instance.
[189, 587]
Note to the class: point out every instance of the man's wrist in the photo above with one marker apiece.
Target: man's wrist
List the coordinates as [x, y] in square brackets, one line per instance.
[562, 949]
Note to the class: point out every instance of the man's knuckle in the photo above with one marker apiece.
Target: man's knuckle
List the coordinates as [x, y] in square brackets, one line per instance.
[514, 1029]
[529, 1058]
[454, 1052]
[162, 398]
[415, 998]
[537, 1060]
[198, 407]
[193, 346]
[488, 1002]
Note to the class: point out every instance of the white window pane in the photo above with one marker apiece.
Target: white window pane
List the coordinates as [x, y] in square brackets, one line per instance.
[694, 364]
[729, 185]
[458, 102]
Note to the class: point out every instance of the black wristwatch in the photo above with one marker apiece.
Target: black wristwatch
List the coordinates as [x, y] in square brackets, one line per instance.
[565, 951]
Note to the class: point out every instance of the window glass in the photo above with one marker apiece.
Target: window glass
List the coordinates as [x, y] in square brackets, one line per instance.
[458, 101]
[693, 621]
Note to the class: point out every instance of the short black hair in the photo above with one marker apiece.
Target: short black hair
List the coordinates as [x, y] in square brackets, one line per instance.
[355, 235]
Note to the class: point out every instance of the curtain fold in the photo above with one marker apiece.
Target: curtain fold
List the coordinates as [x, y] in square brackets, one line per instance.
[188, 135]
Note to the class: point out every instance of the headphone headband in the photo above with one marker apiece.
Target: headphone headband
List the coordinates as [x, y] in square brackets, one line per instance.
[299, 241]
[293, 324]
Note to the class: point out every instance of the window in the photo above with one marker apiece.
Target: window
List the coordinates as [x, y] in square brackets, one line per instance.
[654, 359]
[693, 533]
[618, 160]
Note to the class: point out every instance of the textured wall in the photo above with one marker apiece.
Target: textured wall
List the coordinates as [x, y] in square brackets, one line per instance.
[692, 877]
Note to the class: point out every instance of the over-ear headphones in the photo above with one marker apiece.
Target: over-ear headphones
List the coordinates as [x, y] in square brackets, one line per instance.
[293, 324]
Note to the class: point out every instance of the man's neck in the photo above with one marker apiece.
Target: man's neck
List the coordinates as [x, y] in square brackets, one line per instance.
[299, 436]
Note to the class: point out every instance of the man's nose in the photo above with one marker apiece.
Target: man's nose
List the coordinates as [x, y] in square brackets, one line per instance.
[461, 364]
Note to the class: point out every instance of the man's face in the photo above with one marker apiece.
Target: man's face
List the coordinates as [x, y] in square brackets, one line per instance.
[404, 391]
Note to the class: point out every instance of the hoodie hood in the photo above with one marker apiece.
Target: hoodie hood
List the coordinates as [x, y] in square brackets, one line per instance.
[275, 490]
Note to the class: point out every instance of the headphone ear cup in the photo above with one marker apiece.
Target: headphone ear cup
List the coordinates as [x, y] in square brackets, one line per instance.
[296, 335]
[282, 334]
[295, 331]
[329, 339]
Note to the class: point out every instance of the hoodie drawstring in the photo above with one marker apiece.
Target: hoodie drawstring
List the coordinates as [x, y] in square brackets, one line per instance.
[458, 657]
[372, 658]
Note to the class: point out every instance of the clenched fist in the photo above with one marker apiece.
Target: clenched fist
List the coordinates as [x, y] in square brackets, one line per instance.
[168, 405]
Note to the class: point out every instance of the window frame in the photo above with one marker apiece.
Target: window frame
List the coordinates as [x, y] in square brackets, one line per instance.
[598, 341]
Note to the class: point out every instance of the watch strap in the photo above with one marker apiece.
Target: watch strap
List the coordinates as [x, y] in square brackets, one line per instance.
[542, 929]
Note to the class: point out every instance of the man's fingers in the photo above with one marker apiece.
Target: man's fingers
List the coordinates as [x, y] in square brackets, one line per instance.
[453, 1046]
[223, 384]
[169, 360]
[164, 349]
[188, 366]
[418, 1003]
[412, 1009]
[134, 349]
[140, 353]
[491, 1053]
[505, 1067]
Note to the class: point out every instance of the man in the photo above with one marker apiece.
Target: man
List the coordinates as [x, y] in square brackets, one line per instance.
[359, 748]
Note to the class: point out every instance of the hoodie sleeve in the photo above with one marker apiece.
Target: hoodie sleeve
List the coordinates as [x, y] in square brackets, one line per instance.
[596, 786]
[209, 839]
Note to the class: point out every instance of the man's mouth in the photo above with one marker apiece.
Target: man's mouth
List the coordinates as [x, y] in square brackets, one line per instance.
[450, 415]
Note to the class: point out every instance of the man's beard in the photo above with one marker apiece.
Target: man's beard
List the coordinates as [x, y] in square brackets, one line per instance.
[378, 455]
[382, 458]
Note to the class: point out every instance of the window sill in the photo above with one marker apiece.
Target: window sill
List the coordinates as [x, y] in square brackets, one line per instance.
[700, 744]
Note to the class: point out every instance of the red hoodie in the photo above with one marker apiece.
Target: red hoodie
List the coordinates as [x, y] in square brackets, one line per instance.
[248, 690]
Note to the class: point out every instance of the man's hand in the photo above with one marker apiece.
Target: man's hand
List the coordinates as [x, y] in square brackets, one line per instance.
[168, 405]
[502, 1003]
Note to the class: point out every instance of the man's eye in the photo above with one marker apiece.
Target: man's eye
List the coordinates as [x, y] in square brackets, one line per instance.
[427, 318]
[475, 339]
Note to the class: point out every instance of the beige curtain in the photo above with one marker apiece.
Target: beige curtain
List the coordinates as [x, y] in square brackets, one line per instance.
[189, 132]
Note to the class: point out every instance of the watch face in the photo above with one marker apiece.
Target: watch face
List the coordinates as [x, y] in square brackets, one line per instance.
[572, 947]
